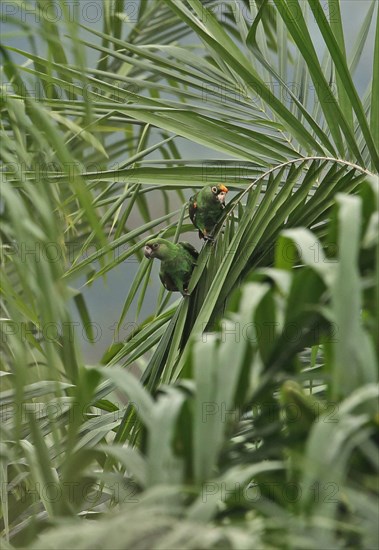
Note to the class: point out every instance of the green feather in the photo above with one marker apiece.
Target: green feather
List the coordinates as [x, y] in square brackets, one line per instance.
[205, 209]
[177, 262]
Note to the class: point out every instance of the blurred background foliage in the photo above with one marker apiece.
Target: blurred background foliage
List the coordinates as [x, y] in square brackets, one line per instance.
[252, 420]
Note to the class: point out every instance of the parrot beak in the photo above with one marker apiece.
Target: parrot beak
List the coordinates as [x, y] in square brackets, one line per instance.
[147, 252]
[224, 189]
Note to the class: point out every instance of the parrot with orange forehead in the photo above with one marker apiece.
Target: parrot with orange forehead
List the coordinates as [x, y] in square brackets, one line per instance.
[206, 208]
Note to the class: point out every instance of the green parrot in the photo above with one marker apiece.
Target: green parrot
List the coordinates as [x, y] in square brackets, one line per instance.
[177, 263]
[206, 207]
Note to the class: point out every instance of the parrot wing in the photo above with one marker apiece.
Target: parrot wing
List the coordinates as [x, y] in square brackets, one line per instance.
[191, 249]
[167, 282]
[192, 209]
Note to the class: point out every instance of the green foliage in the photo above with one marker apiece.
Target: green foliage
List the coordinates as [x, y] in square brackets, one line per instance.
[254, 424]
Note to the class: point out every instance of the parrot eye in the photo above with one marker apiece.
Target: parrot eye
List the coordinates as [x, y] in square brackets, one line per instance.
[214, 189]
[155, 246]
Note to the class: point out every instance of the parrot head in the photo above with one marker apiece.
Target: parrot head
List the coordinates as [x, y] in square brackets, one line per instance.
[156, 248]
[219, 192]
